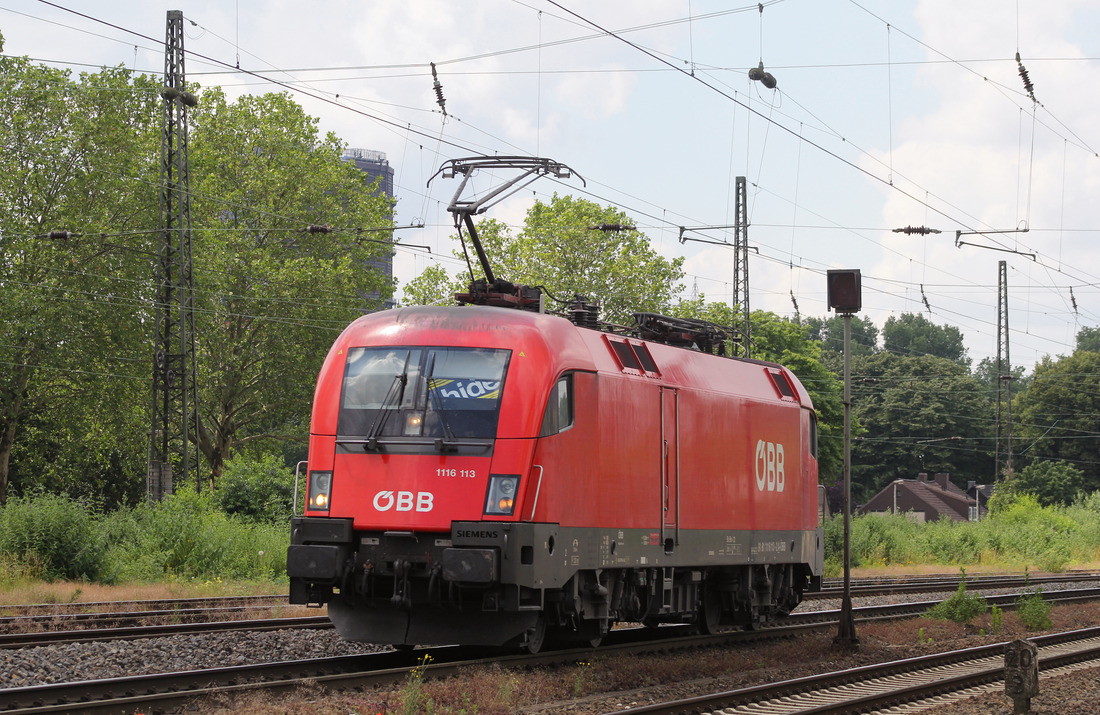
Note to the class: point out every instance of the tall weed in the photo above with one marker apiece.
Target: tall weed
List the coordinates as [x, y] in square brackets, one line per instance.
[56, 535]
[187, 536]
[961, 607]
[1034, 611]
[1018, 532]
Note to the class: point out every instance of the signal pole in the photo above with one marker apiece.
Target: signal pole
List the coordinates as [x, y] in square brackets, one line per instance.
[175, 392]
[845, 297]
[1004, 376]
[741, 264]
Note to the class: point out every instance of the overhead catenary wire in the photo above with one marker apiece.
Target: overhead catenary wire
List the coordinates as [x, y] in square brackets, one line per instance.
[594, 35]
[792, 253]
[225, 63]
[459, 146]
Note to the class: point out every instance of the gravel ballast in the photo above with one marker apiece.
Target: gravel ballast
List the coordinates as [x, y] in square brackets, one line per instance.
[1074, 693]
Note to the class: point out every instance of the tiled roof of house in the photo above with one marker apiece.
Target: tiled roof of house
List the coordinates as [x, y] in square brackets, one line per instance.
[935, 498]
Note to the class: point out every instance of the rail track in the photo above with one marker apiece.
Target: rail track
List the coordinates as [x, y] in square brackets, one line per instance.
[91, 608]
[52, 624]
[878, 587]
[87, 635]
[873, 687]
[39, 629]
[43, 624]
[163, 691]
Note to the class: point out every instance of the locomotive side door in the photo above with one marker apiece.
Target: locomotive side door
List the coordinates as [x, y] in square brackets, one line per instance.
[670, 468]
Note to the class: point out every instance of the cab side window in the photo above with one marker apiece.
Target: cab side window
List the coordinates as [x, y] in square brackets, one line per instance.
[813, 435]
[558, 416]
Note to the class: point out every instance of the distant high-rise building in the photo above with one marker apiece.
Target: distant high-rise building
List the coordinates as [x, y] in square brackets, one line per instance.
[376, 166]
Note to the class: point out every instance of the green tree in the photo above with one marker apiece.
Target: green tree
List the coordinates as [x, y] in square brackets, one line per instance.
[986, 372]
[914, 335]
[260, 490]
[434, 287]
[75, 156]
[557, 249]
[1088, 339]
[1056, 417]
[75, 343]
[1052, 483]
[271, 295]
[920, 414]
[830, 332]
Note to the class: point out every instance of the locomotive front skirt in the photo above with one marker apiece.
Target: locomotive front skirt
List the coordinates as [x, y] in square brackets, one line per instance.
[484, 475]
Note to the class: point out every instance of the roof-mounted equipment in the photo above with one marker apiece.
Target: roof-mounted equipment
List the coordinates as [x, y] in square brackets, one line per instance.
[491, 290]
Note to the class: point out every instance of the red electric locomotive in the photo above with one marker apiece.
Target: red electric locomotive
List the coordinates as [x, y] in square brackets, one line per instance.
[488, 475]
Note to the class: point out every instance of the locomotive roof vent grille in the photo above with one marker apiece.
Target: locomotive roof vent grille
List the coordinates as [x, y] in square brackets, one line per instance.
[625, 355]
[633, 358]
[646, 359]
[782, 385]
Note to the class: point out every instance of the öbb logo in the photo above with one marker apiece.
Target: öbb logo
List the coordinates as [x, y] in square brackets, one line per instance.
[769, 466]
[403, 501]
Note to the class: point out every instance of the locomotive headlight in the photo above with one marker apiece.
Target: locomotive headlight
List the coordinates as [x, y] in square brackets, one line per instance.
[320, 487]
[502, 493]
[413, 423]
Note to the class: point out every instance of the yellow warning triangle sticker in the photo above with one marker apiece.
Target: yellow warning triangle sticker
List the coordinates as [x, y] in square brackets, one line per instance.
[522, 354]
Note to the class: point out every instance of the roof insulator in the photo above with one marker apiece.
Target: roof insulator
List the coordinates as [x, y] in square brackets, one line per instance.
[1027, 80]
[919, 230]
[438, 91]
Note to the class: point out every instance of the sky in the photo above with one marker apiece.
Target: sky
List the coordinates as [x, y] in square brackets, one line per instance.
[886, 114]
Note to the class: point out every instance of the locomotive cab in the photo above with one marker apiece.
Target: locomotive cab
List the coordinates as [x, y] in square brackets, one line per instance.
[420, 462]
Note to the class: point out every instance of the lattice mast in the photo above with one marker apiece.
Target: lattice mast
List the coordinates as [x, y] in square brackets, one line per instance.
[741, 266]
[1004, 376]
[175, 392]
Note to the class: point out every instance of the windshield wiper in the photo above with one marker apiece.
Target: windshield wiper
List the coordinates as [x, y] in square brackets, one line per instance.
[394, 397]
[437, 402]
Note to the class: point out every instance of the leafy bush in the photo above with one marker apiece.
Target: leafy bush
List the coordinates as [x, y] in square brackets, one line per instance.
[1034, 611]
[187, 536]
[1032, 532]
[1019, 531]
[876, 540]
[962, 607]
[259, 490]
[55, 534]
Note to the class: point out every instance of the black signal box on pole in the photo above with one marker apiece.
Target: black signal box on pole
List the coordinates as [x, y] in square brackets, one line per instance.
[845, 293]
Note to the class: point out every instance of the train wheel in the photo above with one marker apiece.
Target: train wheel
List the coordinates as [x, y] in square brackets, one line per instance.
[710, 611]
[591, 633]
[535, 638]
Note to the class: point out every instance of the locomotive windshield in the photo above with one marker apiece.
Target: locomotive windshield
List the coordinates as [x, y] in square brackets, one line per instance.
[448, 393]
